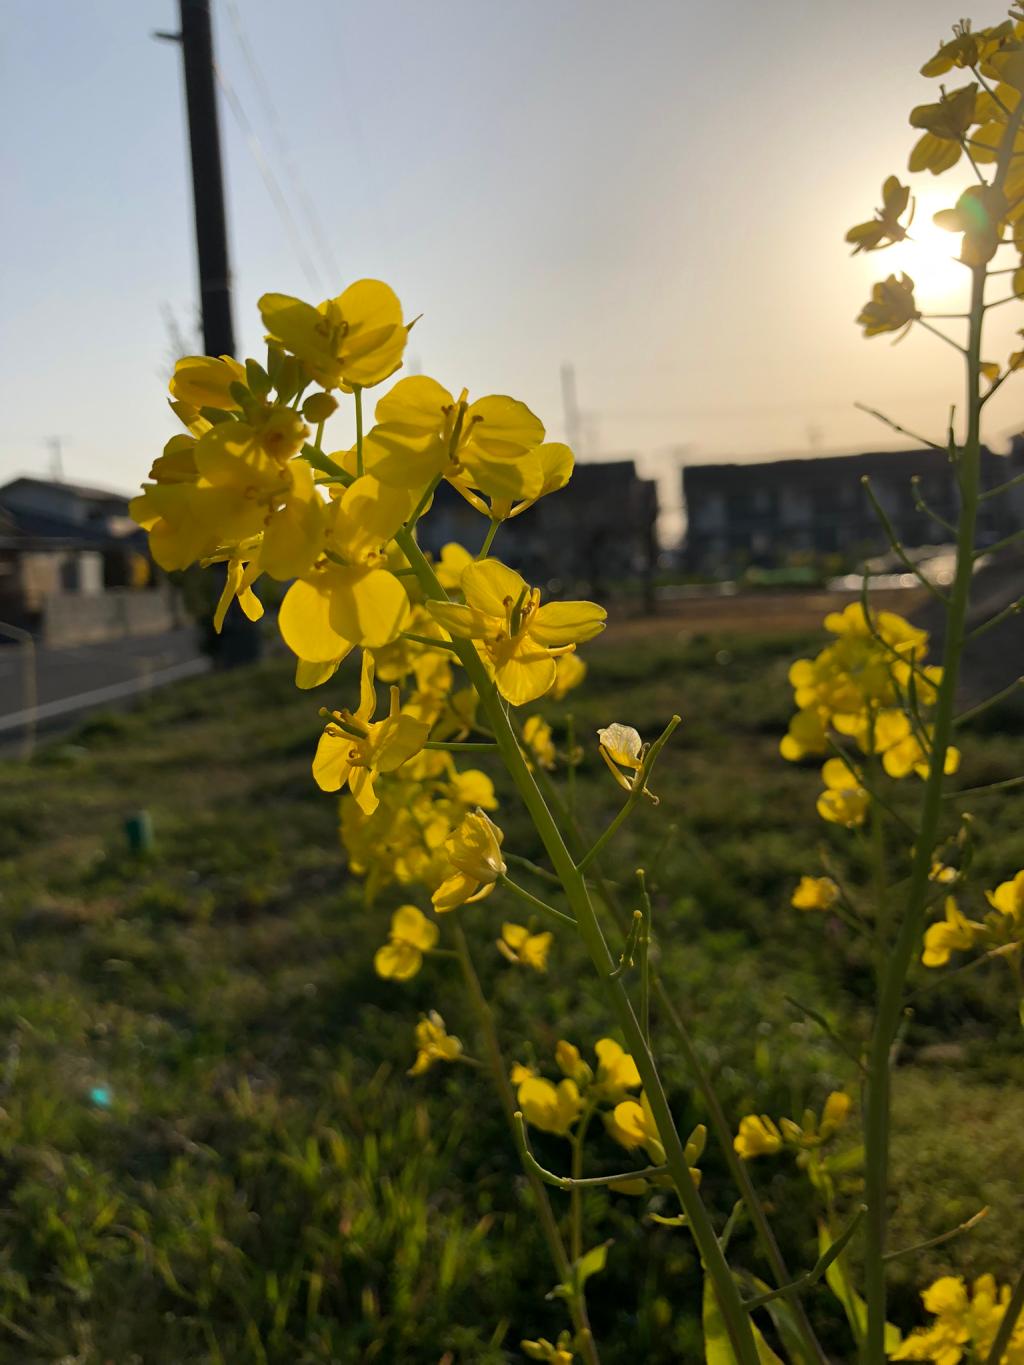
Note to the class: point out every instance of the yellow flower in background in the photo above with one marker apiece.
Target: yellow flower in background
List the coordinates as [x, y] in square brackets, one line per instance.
[844, 801]
[885, 228]
[335, 606]
[454, 558]
[807, 733]
[542, 1349]
[537, 738]
[549, 1107]
[518, 638]
[356, 339]
[616, 1072]
[519, 946]
[835, 1113]
[965, 1324]
[1008, 899]
[758, 1136]
[570, 670]
[434, 1044]
[355, 749]
[953, 934]
[570, 1062]
[412, 935]
[474, 852]
[891, 307]
[204, 381]
[423, 433]
[632, 1124]
[909, 755]
[815, 893]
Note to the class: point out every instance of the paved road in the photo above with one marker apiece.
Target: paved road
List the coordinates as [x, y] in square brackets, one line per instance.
[73, 680]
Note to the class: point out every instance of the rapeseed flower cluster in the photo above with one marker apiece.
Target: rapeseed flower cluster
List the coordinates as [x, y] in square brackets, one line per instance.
[969, 120]
[871, 687]
[759, 1135]
[1000, 933]
[965, 1323]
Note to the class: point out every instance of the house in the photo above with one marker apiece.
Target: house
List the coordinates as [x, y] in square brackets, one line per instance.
[597, 533]
[74, 566]
[778, 512]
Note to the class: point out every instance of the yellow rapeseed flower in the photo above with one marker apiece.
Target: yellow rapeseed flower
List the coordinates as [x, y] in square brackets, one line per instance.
[570, 670]
[1008, 899]
[412, 934]
[542, 1349]
[434, 1044]
[758, 1136]
[885, 228]
[965, 1325]
[524, 949]
[358, 601]
[518, 638]
[537, 738]
[475, 862]
[891, 307]
[621, 747]
[423, 433]
[356, 339]
[844, 801]
[549, 1107]
[815, 893]
[355, 749]
[953, 934]
[204, 381]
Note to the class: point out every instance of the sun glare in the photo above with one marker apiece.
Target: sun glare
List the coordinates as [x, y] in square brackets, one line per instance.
[929, 257]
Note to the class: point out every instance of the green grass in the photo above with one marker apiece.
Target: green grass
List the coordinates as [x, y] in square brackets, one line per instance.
[211, 1151]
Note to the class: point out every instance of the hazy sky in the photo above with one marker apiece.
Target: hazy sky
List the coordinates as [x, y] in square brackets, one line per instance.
[655, 192]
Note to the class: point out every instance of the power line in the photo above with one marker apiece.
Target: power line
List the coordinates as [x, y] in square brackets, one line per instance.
[273, 185]
[306, 203]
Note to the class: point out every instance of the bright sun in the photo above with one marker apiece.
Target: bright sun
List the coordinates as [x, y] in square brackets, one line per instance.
[930, 258]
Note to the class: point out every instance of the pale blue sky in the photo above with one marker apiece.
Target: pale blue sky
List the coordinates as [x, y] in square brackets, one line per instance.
[656, 192]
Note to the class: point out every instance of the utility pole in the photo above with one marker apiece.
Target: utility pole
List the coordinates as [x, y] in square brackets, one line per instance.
[55, 445]
[241, 640]
[196, 39]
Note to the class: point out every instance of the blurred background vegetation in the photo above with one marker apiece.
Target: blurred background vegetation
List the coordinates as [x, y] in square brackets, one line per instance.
[211, 1150]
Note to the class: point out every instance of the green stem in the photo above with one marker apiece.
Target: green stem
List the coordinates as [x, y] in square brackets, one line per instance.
[534, 903]
[644, 956]
[639, 790]
[890, 1000]
[492, 531]
[947, 1236]
[719, 1122]
[549, 1225]
[414, 517]
[736, 1320]
[1009, 1322]
[575, 1192]
[810, 1277]
[565, 1182]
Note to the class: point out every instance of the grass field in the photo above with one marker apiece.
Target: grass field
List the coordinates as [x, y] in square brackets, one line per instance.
[211, 1149]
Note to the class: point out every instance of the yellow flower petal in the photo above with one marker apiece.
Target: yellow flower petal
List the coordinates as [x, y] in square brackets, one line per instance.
[305, 620]
[488, 585]
[562, 623]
